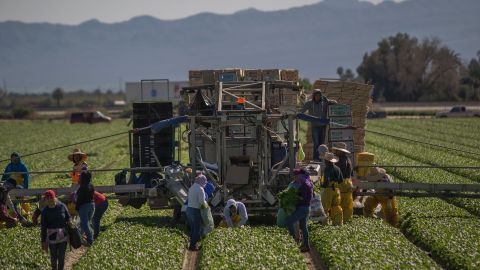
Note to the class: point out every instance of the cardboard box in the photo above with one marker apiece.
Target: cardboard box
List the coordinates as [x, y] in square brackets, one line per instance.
[271, 74]
[289, 75]
[252, 75]
[289, 98]
[229, 75]
[197, 77]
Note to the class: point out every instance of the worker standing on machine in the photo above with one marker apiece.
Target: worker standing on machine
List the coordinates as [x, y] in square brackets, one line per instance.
[234, 214]
[78, 158]
[332, 178]
[317, 107]
[389, 203]
[346, 187]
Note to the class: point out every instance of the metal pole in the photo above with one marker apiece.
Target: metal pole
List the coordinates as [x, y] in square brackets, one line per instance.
[193, 148]
[291, 147]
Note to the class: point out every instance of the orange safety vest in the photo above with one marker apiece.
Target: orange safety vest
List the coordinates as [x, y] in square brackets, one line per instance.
[77, 170]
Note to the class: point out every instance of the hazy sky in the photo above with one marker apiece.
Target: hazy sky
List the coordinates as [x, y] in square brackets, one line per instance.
[76, 11]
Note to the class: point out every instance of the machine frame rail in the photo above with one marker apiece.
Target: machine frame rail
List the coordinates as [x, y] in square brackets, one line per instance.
[420, 189]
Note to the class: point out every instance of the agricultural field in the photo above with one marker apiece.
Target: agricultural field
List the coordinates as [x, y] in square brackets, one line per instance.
[137, 238]
[257, 247]
[434, 233]
[448, 228]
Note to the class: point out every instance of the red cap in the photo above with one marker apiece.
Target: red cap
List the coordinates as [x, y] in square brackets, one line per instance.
[50, 194]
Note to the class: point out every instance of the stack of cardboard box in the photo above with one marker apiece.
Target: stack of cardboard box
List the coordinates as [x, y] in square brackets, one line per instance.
[356, 95]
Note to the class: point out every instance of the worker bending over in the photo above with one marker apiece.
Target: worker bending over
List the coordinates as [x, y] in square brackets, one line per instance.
[302, 209]
[6, 203]
[332, 178]
[234, 214]
[389, 203]
[346, 187]
[78, 158]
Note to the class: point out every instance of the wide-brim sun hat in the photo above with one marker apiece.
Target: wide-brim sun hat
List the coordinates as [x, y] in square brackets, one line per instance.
[77, 151]
[341, 146]
[376, 174]
[330, 157]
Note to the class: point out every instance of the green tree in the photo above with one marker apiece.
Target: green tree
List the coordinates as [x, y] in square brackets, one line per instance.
[347, 75]
[58, 94]
[474, 77]
[403, 68]
[307, 85]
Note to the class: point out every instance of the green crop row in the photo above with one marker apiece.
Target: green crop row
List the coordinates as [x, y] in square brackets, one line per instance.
[20, 249]
[444, 128]
[367, 243]
[427, 154]
[424, 133]
[449, 232]
[102, 153]
[433, 176]
[137, 240]
[463, 128]
[250, 248]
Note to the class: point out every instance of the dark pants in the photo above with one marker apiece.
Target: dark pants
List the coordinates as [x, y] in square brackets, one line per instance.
[318, 136]
[97, 216]
[195, 222]
[57, 255]
[301, 215]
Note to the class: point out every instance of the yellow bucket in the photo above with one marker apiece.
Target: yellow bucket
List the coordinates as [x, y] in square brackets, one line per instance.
[364, 159]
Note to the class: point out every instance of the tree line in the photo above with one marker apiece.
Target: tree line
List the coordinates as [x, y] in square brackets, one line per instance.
[404, 68]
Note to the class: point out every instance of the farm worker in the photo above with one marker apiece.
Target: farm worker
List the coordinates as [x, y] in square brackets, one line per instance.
[55, 218]
[196, 201]
[389, 203]
[234, 214]
[6, 203]
[317, 107]
[42, 203]
[302, 209]
[346, 187]
[16, 172]
[332, 177]
[85, 205]
[101, 206]
[78, 158]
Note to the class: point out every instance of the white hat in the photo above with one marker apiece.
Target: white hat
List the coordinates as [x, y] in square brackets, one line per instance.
[322, 149]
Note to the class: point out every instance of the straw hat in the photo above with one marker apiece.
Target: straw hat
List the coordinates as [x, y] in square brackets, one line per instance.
[341, 146]
[77, 151]
[329, 156]
[376, 174]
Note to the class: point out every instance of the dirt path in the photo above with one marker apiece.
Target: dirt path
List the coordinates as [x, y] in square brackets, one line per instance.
[313, 260]
[191, 260]
[73, 256]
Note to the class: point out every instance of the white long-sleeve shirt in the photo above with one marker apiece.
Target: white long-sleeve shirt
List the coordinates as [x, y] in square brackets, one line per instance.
[241, 210]
[196, 196]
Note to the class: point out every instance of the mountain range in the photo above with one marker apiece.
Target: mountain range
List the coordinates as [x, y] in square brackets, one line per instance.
[316, 39]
